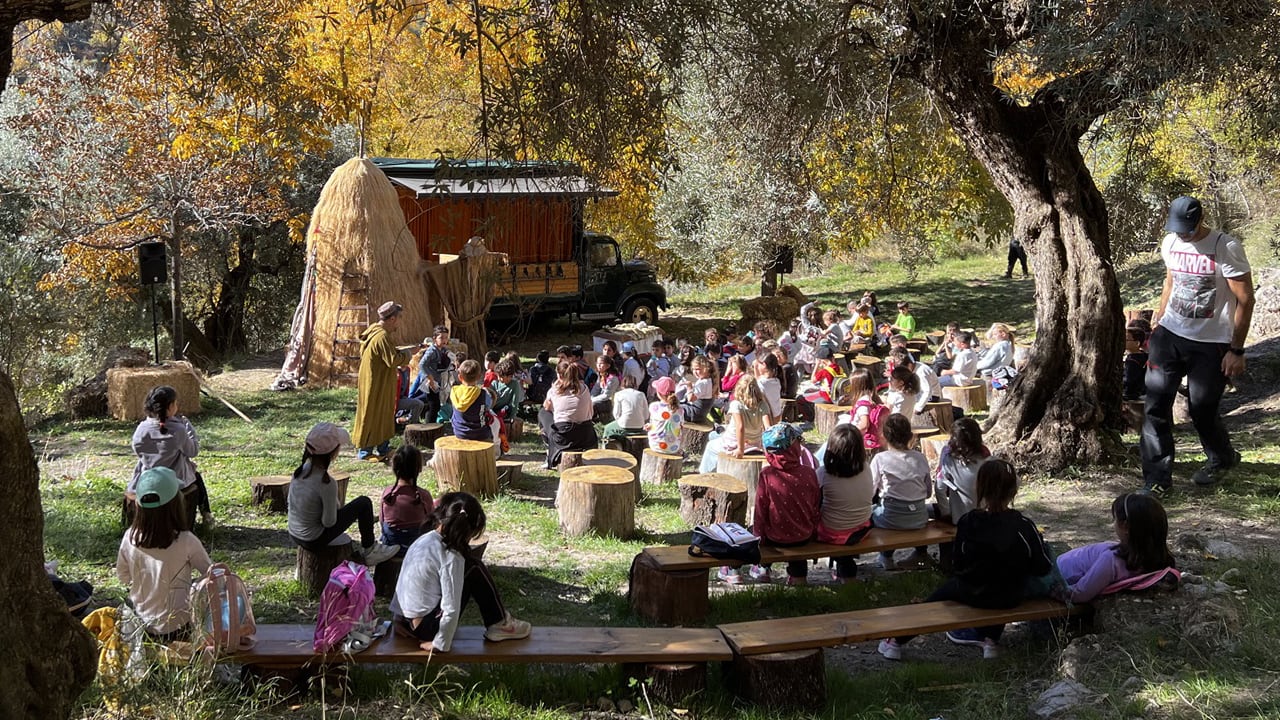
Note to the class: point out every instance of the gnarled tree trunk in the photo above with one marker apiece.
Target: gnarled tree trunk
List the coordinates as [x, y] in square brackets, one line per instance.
[1064, 408]
[49, 658]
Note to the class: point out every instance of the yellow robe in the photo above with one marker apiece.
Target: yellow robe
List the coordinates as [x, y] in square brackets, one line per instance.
[376, 406]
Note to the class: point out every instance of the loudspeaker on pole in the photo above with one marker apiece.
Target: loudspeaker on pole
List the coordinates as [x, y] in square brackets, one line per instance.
[153, 268]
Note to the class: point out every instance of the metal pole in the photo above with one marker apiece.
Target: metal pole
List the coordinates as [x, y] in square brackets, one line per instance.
[155, 326]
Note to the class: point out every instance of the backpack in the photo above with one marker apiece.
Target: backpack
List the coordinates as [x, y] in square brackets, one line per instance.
[77, 594]
[730, 541]
[346, 620]
[876, 413]
[222, 616]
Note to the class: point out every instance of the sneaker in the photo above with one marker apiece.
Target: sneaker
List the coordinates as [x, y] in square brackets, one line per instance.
[1213, 474]
[920, 557]
[889, 648]
[990, 650]
[797, 580]
[509, 629]
[760, 573]
[731, 576]
[378, 553]
[888, 563]
[965, 636]
[1157, 491]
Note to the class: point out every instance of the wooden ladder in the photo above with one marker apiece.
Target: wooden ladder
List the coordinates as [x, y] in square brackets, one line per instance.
[351, 320]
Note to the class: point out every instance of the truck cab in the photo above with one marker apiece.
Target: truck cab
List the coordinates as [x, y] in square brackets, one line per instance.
[613, 289]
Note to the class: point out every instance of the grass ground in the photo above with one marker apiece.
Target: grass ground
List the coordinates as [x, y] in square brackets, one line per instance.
[1229, 670]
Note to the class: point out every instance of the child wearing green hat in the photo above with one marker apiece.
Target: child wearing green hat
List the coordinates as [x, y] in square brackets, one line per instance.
[158, 558]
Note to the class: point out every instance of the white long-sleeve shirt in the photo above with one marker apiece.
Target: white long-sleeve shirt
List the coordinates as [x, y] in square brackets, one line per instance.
[431, 577]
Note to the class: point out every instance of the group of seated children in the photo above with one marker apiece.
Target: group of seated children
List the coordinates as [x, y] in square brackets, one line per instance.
[159, 556]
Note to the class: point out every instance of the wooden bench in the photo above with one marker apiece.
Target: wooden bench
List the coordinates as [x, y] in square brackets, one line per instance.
[669, 586]
[787, 652]
[284, 652]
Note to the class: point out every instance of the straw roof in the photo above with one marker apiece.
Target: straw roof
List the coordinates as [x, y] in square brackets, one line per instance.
[360, 238]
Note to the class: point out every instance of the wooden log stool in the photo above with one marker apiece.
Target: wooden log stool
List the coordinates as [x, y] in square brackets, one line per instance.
[827, 416]
[844, 360]
[510, 472]
[424, 435]
[273, 490]
[918, 346]
[873, 365]
[694, 437]
[675, 597]
[466, 466]
[515, 429]
[129, 507]
[790, 412]
[746, 469]
[670, 683]
[633, 443]
[792, 679]
[570, 459]
[313, 569]
[918, 434]
[969, 398]
[940, 411]
[711, 498]
[599, 498]
[615, 458]
[660, 468]
[932, 446]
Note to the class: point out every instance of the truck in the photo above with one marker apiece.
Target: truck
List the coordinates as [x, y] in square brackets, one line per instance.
[533, 212]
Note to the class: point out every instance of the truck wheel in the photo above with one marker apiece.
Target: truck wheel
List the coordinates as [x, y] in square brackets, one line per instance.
[641, 309]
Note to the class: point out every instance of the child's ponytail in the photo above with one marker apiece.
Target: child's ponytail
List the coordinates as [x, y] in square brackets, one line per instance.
[459, 520]
[158, 402]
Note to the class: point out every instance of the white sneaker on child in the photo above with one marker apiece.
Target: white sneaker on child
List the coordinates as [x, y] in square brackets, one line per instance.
[990, 650]
[760, 573]
[509, 629]
[890, 649]
[379, 553]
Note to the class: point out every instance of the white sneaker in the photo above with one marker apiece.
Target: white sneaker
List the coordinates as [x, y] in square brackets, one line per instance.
[509, 629]
[990, 650]
[890, 649]
[760, 573]
[379, 553]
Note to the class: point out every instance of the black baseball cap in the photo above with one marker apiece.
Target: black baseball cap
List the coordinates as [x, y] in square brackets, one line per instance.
[1184, 215]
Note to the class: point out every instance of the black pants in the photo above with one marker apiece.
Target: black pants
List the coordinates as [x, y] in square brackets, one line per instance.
[359, 511]
[1017, 254]
[430, 406]
[847, 566]
[1170, 359]
[477, 585]
[952, 589]
[202, 495]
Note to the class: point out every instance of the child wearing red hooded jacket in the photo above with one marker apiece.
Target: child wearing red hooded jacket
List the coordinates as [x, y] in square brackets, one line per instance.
[788, 499]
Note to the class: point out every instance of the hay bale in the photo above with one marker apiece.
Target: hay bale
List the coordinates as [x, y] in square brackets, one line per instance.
[89, 398]
[779, 308]
[794, 293]
[127, 388]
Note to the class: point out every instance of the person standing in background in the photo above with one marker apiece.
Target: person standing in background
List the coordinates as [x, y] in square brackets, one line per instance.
[1017, 253]
[376, 403]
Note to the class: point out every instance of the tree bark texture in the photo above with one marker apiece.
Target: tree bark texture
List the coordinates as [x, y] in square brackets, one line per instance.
[746, 469]
[49, 657]
[712, 498]
[668, 598]
[1059, 411]
[466, 466]
[795, 679]
[670, 683]
[659, 468]
[599, 498]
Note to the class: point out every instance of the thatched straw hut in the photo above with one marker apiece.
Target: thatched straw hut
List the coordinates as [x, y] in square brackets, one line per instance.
[360, 254]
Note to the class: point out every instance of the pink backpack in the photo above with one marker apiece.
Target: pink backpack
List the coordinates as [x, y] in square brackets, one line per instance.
[346, 610]
[876, 413]
[221, 613]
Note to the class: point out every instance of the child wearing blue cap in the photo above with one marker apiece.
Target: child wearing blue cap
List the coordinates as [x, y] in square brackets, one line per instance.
[158, 557]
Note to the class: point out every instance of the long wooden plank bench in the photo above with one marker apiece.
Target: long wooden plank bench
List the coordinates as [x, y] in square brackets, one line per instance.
[786, 653]
[669, 586]
[290, 646]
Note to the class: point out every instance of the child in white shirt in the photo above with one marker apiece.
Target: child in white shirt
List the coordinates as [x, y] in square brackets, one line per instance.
[902, 480]
[964, 363]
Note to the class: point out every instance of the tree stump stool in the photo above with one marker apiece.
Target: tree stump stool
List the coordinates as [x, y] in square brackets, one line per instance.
[693, 436]
[670, 683]
[873, 365]
[782, 680]
[827, 416]
[917, 346]
[424, 435]
[515, 429]
[129, 507]
[746, 469]
[273, 490]
[466, 466]
[918, 434]
[570, 459]
[940, 411]
[969, 398]
[385, 576]
[844, 360]
[510, 472]
[313, 569]
[341, 479]
[790, 413]
[634, 443]
[668, 598]
[711, 498]
[599, 498]
[932, 446]
[1134, 413]
[660, 468]
[615, 458]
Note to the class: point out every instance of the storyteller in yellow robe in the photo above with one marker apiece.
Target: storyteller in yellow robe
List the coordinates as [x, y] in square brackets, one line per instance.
[376, 406]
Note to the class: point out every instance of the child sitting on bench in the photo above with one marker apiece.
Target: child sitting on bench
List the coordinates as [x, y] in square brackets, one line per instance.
[901, 477]
[997, 551]
[440, 576]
